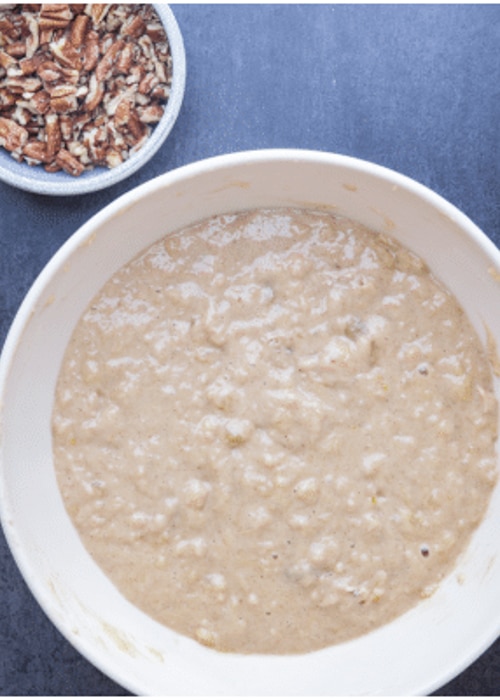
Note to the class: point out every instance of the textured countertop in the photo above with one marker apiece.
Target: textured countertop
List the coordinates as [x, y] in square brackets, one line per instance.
[412, 87]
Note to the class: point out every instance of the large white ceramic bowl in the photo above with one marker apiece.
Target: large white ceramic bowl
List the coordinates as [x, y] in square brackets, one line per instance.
[416, 653]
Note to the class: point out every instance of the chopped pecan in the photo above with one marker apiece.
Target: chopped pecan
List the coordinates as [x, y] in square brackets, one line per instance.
[45, 36]
[52, 167]
[24, 84]
[105, 65]
[134, 27]
[36, 150]
[69, 163]
[95, 94]
[91, 51]
[66, 124]
[6, 61]
[151, 114]
[17, 49]
[7, 99]
[48, 24]
[161, 93]
[125, 58]
[54, 16]
[155, 31]
[30, 65]
[135, 126]
[79, 29]
[52, 134]
[97, 12]
[66, 53]
[13, 136]
[33, 38]
[113, 158]
[147, 84]
[21, 115]
[41, 101]
[63, 99]
[7, 28]
[56, 9]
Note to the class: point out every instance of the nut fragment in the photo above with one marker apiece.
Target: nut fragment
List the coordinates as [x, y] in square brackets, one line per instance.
[13, 136]
[36, 150]
[69, 163]
[81, 85]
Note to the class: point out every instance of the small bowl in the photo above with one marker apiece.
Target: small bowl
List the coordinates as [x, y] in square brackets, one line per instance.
[36, 179]
[412, 655]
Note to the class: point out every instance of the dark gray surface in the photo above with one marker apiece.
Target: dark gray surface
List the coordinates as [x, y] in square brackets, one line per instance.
[414, 88]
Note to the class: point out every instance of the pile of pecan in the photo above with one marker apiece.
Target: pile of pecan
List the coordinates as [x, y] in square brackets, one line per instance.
[80, 85]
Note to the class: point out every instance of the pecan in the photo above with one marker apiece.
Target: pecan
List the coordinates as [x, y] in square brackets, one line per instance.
[155, 32]
[122, 113]
[69, 163]
[66, 53]
[91, 51]
[54, 16]
[149, 82]
[52, 134]
[6, 61]
[124, 61]
[151, 114]
[36, 150]
[13, 136]
[95, 94]
[63, 105]
[161, 71]
[105, 65]
[45, 36]
[24, 84]
[78, 30]
[61, 90]
[48, 24]
[52, 167]
[135, 126]
[33, 39]
[30, 65]
[7, 28]
[134, 27]
[58, 10]
[17, 49]
[98, 13]
[113, 158]
[7, 99]
[161, 93]
[21, 115]
[63, 99]
[41, 101]
[49, 72]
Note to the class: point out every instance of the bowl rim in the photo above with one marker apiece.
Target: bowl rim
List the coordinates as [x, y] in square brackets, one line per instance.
[35, 179]
[118, 207]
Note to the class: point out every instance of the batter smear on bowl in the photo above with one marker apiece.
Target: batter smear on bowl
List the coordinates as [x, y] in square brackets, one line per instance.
[275, 430]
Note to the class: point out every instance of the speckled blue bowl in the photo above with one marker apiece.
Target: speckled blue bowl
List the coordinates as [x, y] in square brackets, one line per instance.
[36, 179]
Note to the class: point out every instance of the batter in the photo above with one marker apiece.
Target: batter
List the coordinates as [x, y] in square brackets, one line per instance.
[275, 431]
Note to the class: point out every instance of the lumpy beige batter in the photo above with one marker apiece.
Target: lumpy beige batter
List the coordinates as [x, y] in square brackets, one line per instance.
[275, 431]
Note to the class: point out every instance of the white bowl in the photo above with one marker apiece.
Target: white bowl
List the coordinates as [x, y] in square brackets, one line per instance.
[36, 179]
[416, 653]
